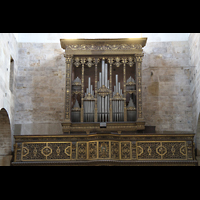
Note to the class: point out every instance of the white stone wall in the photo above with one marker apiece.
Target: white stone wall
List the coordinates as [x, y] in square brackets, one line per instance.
[40, 72]
[55, 37]
[8, 47]
[167, 99]
[171, 89]
[40, 87]
[194, 43]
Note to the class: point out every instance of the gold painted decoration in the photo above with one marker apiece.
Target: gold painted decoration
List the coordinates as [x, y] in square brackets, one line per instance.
[89, 97]
[81, 150]
[117, 61]
[77, 61]
[58, 151]
[46, 151]
[103, 91]
[37, 151]
[125, 150]
[118, 97]
[92, 150]
[102, 147]
[89, 62]
[93, 47]
[164, 150]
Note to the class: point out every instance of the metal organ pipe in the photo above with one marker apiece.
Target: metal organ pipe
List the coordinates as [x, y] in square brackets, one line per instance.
[89, 102]
[103, 72]
[89, 84]
[103, 102]
[118, 107]
[117, 83]
[103, 83]
[106, 97]
[89, 105]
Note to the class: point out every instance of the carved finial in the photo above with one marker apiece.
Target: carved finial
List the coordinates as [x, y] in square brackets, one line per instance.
[68, 58]
[77, 62]
[110, 61]
[138, 57]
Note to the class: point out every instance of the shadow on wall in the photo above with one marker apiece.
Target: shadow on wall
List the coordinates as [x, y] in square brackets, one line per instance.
[40, 89]
[40, 83]
[5, 139]
[197, 141]
[167, 97]
[48, 96]
[197, 138]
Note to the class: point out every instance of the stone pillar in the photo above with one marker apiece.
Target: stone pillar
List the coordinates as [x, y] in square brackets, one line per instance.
[138, 61]
[68, 62]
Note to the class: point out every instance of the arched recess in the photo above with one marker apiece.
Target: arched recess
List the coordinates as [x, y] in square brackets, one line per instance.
[5, 139]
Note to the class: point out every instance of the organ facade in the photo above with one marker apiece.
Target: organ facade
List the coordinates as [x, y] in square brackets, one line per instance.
[103, 118]
[103, 85]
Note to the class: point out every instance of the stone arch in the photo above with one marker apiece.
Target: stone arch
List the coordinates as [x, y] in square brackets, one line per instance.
[5, 139]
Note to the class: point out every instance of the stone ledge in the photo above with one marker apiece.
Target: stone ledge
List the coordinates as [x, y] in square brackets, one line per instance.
[5, 160]
[108, 163]
[198, 160]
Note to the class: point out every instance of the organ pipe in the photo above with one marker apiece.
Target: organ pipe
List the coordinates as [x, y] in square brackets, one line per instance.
[103, 103]
[88, 103]
[103, 100]
[118, 108]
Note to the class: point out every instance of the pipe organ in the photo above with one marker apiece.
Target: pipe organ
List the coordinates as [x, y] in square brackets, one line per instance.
[103, 122]
[104, 96]
[103, 84]
[103, 101]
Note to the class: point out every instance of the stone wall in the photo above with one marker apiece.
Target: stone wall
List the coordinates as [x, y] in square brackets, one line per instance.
[5, 139]
[166, 86]
[8, 48]
[40, 87]
[194, 44]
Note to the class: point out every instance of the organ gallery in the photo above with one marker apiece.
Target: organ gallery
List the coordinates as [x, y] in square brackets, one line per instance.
[103, 116]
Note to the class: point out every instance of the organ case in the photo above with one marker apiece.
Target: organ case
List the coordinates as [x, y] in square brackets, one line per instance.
[103, 84]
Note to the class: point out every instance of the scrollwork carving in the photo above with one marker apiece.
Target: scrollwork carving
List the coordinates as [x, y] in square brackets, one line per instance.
[89, 62]
[130, 61]
[103, 47]
[68, 58]
[77, 62]
[117, 61]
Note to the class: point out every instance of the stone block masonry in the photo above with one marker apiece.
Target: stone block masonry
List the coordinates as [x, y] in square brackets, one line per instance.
[8, 73]
[167, 101]
[167, 97]
[40, 86]
[194, 44]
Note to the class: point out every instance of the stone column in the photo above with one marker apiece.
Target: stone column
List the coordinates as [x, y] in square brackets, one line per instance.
[138, 61]
[68, 61]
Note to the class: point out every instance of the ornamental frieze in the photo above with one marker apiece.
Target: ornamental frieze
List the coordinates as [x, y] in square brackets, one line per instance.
[103, 47]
